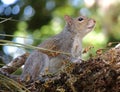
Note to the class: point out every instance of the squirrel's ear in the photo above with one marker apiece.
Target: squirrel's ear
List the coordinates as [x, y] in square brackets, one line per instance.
[68, 19]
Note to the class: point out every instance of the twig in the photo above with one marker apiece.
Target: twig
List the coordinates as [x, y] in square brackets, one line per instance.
[7, 82]
[6, 19]
[34, 47]
[11, 19]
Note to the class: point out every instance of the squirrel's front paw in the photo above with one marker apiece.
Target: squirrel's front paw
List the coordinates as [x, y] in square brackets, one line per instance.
[77, 60]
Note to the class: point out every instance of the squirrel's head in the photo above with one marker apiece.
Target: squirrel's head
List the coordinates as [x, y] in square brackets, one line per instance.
[80, 25]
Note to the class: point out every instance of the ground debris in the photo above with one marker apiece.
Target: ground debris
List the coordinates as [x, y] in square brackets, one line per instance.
[93, 75]
[98, 74]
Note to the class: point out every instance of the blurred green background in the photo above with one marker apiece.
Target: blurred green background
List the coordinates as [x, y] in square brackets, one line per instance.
[36, 20]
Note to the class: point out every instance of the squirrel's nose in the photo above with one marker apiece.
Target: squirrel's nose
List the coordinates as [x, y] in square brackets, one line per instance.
[94, 21]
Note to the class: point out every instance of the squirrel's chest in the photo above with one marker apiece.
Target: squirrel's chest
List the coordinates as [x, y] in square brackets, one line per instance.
[76, 49]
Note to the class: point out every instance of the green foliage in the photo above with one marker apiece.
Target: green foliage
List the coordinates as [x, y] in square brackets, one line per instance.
[47, 19]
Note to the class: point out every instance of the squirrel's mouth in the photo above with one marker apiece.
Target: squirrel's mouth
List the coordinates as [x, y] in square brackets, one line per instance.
[90, 27]
[91, 24]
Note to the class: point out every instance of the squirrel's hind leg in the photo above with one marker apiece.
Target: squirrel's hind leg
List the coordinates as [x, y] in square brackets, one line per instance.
[35, 65]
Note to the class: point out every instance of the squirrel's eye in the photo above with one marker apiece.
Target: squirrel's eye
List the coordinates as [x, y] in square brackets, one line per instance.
[80, 19]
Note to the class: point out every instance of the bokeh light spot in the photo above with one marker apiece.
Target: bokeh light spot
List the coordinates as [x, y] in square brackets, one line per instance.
[16, 9]
[8, 2]
[8, 11]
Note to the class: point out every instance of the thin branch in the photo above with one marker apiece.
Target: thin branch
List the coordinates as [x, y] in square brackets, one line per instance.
[10, 19]
[34, 47]
[8, 82]
[6, 19]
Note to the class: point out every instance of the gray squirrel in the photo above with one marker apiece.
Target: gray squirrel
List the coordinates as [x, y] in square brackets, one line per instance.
[69, 41]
